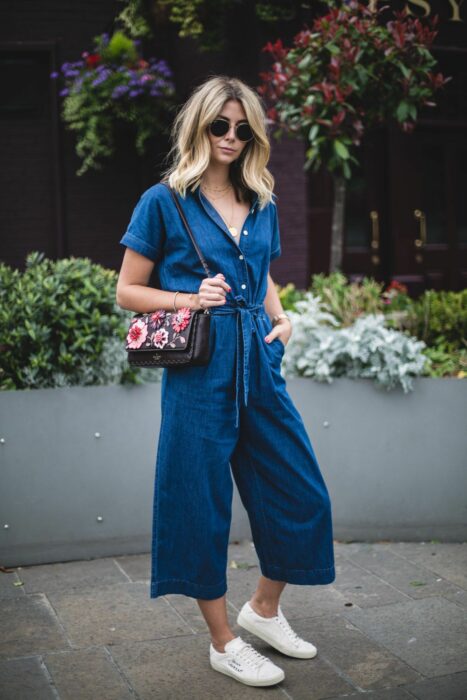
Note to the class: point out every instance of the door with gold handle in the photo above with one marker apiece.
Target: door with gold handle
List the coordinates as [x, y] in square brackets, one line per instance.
[375, 238]
[420, 242]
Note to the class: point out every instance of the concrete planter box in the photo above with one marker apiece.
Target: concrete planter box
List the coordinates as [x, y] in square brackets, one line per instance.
[77, 465]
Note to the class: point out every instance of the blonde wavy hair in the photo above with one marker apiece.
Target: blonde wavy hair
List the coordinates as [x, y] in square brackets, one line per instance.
[191, 148]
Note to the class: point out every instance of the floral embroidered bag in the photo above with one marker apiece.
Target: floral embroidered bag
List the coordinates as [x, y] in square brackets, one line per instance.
[164, 338]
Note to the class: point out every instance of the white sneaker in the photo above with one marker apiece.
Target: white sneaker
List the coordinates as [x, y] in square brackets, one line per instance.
[241, 661]
[276, 631]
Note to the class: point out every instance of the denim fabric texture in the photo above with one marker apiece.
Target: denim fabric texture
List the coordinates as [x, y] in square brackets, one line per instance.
[233, 416]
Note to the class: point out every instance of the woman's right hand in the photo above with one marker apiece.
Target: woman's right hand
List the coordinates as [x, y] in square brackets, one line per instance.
[212, 291]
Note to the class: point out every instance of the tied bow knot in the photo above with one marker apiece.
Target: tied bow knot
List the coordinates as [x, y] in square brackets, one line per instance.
[246, 312]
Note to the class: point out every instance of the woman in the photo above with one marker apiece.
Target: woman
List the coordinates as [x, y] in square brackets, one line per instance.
[235, 411]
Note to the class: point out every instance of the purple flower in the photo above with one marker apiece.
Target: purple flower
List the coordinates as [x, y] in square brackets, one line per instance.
[54, 74]
[119, 91]
[101, 78]
[63, 92]
[71, 73]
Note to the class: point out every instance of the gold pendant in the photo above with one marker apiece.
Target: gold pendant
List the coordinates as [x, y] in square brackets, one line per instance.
[233, 231]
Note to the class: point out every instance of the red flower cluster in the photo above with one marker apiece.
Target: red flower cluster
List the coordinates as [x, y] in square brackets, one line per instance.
[395, 286]
[92, 60]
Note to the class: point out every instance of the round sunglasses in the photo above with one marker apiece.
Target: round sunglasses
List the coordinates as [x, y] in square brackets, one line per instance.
[219, 127]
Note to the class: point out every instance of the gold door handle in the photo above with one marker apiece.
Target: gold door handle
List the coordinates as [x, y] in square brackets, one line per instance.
[420, 242]
[375, 259]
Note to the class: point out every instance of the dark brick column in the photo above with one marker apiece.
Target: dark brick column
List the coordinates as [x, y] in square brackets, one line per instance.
[286, 164]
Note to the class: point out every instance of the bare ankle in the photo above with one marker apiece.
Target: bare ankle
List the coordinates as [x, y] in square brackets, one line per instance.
[263, 608]
[219, 642]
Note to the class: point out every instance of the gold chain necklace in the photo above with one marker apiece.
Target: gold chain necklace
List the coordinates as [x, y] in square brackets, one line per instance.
[232, 229]
[204, 189]
[216, 189]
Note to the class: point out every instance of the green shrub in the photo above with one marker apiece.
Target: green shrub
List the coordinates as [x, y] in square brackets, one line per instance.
[347, 301]
[289, 295]
[440, 319]
[60, 325]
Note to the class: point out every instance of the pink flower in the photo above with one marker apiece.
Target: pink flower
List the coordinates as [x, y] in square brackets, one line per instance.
[137, 334]
[159, 338]
[157, 317]
[181, 319]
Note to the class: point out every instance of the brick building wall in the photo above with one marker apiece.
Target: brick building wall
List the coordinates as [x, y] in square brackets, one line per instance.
[44, 205]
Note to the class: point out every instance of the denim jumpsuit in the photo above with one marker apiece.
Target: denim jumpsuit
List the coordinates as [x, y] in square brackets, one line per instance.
[231, 416]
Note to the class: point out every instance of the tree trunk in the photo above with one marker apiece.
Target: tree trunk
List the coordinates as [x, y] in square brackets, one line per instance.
[337, 233]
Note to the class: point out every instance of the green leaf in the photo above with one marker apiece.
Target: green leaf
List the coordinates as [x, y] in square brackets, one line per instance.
[341, 149]
[402, 111]
[305, 62]
[313, 131]
[332, 48]
[406, 71]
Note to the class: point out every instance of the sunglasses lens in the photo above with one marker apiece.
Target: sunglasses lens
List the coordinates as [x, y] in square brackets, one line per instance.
[244, 132]
[219, 127]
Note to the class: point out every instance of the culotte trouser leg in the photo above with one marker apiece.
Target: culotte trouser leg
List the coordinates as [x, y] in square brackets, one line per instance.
[272, 462]
[280, 482]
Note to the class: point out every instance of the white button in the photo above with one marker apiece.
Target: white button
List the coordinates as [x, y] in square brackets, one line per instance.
[240, 257]
[243, 286]
[245, 233]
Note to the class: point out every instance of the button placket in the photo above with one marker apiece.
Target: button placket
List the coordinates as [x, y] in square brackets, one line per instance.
[244, 241]
[216, 217]
[242, 244]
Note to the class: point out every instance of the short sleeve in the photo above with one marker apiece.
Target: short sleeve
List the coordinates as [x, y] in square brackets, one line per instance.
[145, 233]
[276, 238]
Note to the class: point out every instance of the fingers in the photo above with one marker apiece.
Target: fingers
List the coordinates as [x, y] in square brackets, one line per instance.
[270, 336]
[218, 281]
[276, 332]
[213, 291]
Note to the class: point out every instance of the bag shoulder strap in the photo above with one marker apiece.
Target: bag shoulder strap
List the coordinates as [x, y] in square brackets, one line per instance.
[187, 226]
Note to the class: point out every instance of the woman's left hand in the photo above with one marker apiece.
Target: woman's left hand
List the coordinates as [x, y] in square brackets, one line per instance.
[282, 330]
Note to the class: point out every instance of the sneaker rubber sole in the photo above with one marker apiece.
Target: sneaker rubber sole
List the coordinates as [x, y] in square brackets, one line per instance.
[227, 672]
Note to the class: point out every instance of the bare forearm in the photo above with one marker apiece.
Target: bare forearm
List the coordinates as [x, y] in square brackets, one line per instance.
[142, 299]
[272, 303]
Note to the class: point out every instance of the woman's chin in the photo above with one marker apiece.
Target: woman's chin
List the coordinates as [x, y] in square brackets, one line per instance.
[222, 159]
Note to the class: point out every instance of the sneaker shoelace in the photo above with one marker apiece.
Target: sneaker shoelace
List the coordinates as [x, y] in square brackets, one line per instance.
[285, 626]
[251, 656]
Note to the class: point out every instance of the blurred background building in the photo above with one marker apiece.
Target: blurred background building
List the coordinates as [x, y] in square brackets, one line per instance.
[410, 193]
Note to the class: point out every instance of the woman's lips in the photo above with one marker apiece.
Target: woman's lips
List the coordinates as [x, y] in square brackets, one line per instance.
[227, 150]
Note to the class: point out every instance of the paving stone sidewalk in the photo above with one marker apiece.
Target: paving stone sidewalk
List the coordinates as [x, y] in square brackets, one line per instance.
[392, 626]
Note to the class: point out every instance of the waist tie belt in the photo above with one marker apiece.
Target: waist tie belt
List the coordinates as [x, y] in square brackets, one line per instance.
[245, 313]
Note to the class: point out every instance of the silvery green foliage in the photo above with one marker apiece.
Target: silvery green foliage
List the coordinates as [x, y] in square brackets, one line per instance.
[109, 366]
[150, 375]
[106, 369]
[319, 348]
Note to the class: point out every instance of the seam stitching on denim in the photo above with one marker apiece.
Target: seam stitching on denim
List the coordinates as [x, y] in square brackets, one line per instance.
[327, 568]
[154, 549]
[267, 535]
[190, 583]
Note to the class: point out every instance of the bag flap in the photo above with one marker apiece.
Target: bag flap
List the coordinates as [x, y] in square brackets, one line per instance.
[161, 330]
